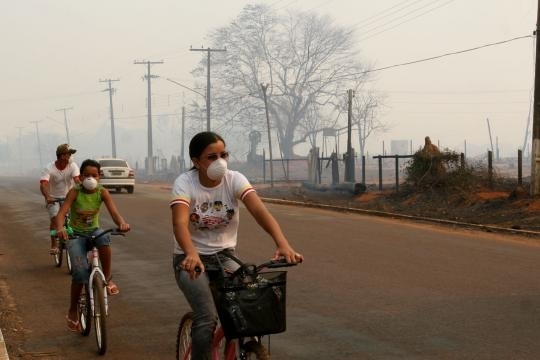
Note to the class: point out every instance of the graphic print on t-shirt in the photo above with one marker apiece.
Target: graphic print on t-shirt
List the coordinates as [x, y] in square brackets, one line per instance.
[211, 215]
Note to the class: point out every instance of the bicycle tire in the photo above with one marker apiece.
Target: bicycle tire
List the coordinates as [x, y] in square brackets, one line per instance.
[100, 314]
[254, 350]
[68, 263]
[183, 338]
[85, 311]
[59, 255]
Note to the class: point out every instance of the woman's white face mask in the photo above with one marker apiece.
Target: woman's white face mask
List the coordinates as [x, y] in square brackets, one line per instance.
[90, 183]
[217, 169]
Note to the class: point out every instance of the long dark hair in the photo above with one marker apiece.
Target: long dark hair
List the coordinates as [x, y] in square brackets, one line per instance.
[200, 141]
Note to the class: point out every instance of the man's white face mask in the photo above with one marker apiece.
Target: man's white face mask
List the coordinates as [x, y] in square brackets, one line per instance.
[217, 169]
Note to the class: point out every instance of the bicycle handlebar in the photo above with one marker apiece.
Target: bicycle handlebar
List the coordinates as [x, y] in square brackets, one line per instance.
[272, 264]
[73, 233]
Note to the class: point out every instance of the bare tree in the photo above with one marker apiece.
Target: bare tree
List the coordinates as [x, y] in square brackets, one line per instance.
[366, 105]
[305, 59]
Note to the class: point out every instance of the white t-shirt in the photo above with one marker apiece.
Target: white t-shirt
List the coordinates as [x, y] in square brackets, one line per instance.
[60, 181]
[214, 212]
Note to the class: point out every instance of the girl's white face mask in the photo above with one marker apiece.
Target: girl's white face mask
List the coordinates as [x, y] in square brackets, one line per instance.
[217, 169]
[89, 183]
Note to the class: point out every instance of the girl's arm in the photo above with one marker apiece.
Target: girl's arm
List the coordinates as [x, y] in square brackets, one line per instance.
[180, 221]
[113, 211]
[263, 217]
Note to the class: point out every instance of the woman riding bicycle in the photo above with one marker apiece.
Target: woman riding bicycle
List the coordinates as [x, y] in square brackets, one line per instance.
[83, 203]
[205, 217]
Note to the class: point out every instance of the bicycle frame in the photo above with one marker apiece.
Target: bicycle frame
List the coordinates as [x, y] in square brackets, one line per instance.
[96, 269]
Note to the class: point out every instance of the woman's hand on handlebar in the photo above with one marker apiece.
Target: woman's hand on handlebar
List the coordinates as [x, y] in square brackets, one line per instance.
[193, 265]
[289, 254]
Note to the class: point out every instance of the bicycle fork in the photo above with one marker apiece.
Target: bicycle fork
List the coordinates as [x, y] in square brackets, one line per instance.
[97, 270]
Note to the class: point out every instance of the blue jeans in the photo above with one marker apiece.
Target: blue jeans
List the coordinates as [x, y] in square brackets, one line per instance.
[199, 296]
[78, 249]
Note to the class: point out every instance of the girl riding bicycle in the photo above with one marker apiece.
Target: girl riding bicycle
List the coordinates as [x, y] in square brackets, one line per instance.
[84, 202]
[205, 217]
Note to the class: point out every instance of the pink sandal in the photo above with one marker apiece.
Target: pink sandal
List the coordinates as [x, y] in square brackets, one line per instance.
[74, 326]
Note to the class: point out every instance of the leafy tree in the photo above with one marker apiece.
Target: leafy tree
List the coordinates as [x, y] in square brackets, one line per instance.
[306, 60]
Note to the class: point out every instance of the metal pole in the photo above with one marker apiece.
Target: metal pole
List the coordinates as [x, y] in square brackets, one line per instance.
[182, 161]
[66, 122]
[264, 87]
[150, 169]
[208, 91]
[38, 143]
[208, 51]
[150, 160]
[349, 165]
[111, 111]
[535, 165]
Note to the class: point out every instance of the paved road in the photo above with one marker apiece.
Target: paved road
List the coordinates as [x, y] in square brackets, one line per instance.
[370, 289]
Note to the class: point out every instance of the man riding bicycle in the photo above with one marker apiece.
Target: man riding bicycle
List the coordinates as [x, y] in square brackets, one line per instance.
[57, 178]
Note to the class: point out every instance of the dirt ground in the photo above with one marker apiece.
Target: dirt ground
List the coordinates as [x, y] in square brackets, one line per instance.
[508, 206]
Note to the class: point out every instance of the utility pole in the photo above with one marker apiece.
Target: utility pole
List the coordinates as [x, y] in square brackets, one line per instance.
[208, 51]
[111, 91]
[38, 142]
[148, 77]
[182, 161]
[535, 166]
[264, 88]
[349, 164]
[20, 149]
[66, 122]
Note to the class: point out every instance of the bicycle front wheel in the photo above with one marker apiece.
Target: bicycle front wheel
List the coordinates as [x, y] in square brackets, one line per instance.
[68, 262]
[57, 258]
[254, 350]
[85, 311]
[100, 314]
[183, 339]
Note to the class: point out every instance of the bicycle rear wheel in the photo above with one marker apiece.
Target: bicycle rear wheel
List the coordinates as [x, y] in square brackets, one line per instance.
[85, 311]
[254, 350]
[183, 339]
[100, 314]
[57, 258]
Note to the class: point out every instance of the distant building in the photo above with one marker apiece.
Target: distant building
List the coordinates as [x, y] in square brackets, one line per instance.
[399, 147]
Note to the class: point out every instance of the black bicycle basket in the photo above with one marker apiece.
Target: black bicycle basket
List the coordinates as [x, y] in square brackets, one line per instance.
[251, 303]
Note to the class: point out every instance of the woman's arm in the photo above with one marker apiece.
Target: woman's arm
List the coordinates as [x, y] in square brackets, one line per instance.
[263, 217]
[180, 222]
[113, 211]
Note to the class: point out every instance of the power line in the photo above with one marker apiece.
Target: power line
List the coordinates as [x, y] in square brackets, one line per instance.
[428, 59]
[406, 20]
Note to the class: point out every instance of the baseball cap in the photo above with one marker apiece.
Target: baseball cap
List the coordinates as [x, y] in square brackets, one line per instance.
[64, 149]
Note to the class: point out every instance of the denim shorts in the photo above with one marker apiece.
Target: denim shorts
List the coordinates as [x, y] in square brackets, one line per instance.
[53, 208]
[78, 252]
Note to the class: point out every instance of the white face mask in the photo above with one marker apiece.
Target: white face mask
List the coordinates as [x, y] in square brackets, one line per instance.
[217, 169]
[89, 183]
[70, 160]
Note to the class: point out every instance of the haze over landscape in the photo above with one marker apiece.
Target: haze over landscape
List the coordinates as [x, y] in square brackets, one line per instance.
[479, 65]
